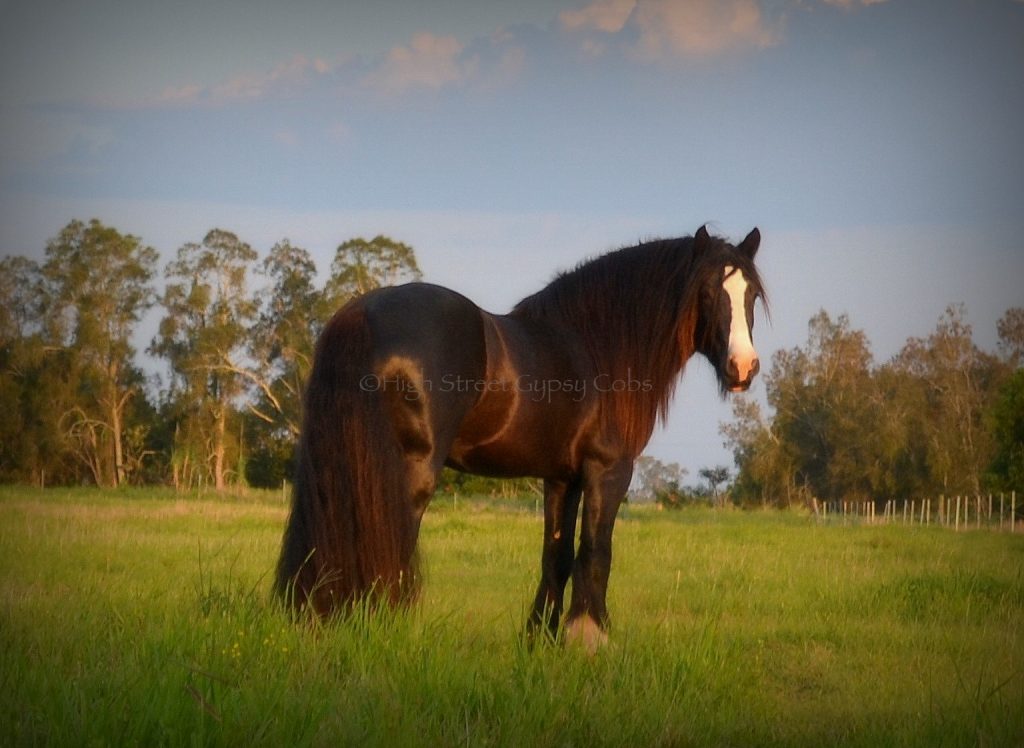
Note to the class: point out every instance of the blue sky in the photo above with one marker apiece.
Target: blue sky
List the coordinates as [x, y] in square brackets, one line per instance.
[876, 144]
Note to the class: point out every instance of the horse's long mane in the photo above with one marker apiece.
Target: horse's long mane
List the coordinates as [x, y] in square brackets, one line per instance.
[636, 311]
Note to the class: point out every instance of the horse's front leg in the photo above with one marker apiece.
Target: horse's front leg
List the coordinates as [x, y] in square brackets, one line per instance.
[561, 503]
[605, 486]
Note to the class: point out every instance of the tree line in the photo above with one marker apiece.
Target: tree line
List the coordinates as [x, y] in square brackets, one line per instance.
[941, 417]
[236, 336]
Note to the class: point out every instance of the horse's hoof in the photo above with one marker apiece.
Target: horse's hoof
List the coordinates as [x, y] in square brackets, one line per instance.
[584, 632]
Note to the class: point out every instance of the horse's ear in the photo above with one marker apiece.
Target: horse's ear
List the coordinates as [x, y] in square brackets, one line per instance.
[700, 240]
[749, 245]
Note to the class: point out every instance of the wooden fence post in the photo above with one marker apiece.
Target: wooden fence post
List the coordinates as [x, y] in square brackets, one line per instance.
[957, 526]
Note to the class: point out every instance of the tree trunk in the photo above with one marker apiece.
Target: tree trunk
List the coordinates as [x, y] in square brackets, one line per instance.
[220, 433]
[115, 403]
[118, 452]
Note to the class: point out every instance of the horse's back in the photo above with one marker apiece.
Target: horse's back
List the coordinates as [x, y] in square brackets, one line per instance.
[422, 320]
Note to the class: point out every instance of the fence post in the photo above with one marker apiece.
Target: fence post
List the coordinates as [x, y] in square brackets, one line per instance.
[957, 527]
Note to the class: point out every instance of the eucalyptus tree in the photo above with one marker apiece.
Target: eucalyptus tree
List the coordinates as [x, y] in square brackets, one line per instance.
[955, 386]
[822, 439]
[30, 439]
[361, 265]
[292, 313]
[715, 476]
[652, 477]
[1005, 417]
[204, 338]
[1011, 336]
[96, 285]
[281, 348]
[284, 335]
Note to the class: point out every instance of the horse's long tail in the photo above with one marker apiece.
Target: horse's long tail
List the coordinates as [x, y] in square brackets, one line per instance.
[351, 533]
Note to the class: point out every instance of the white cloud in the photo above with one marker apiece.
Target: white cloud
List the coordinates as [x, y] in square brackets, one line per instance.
[290, 74]
[184, 94]
[608, 16]
[854, 3]
[700, 28]
[666, 29]
[428, 61]
[298, 72]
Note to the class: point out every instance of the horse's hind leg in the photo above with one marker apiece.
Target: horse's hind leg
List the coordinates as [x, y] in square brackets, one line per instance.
[409, 406]
[561, 503]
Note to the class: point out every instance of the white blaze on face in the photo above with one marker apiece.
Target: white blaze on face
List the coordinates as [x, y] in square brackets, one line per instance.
[741, 347]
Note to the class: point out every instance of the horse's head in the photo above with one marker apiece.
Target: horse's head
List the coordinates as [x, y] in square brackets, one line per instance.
[725, 317]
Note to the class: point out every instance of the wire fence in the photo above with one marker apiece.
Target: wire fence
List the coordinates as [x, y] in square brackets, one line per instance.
[999, 512]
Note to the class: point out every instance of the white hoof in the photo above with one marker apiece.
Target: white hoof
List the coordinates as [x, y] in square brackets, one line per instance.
[584, 632]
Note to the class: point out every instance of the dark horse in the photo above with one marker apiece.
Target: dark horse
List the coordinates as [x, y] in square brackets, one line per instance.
[567, 388]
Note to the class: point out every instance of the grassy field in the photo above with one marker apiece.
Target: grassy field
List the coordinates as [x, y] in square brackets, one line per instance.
[144, 618]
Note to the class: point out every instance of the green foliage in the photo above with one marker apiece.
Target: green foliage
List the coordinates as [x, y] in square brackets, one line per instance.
[281, 349]
[467, 484]
[74, 398]
[283, 338]
[1006, 421]
[361, 265]
[652, 477]
[203, 335]
[654, 481]
[70, 379]
[843, 428]
[672, 495]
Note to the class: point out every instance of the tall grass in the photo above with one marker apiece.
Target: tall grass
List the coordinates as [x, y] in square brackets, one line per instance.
[140, 618]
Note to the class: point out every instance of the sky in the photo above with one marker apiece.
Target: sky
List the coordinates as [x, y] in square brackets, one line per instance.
[875, 143]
